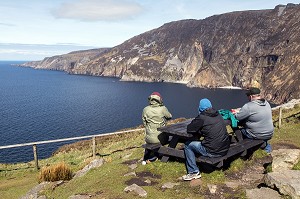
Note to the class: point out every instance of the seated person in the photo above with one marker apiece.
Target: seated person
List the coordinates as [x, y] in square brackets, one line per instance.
[154, 116]
[256, 118]
[210, 125]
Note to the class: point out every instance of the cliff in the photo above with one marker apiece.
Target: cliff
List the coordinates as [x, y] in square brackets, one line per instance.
[246, 48]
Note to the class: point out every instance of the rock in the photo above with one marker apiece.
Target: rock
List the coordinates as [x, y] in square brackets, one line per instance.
[42, 197]
[195, 182]
[253, 177]
[56, 184]
[262, 193]
[130, 174]
[93, 164]
[286, 181]
[133, 166]
[169, 185]
[290, 104]
[33, 193]
[80, 197]
[212, 188]
[137, 189]
[284, 159]
[127, 156]
[148, 181]
[233, 184]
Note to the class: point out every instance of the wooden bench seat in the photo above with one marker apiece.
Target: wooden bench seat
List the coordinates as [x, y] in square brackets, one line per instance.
[235, 148]
[151, 146]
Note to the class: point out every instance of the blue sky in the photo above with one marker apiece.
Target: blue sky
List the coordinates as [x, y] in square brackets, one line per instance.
[34, 29]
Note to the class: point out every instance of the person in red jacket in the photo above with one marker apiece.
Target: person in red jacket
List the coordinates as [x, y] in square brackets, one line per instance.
[210, 125]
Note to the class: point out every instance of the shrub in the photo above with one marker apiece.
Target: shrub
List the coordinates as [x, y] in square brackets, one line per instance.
[56, 172]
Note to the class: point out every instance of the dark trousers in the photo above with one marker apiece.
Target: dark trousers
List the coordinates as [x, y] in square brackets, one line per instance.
[150, 155]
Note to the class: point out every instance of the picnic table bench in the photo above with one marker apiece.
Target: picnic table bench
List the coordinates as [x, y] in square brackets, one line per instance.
[178, 134]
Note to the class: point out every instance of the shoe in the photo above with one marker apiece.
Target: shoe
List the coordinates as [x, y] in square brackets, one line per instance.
[152, 159]
[191, 176]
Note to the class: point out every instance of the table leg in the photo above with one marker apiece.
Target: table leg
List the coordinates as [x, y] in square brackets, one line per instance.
[172, 144]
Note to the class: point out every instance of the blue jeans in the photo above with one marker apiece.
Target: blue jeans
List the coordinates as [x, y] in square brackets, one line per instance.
[268, 147]
[191, 148]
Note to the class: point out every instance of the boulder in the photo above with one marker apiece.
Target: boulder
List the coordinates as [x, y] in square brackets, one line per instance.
[262, 193]
[137, 189]
[286, 181]
[284, 159]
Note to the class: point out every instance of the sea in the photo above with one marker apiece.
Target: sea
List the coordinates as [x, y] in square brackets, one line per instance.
[38, 105]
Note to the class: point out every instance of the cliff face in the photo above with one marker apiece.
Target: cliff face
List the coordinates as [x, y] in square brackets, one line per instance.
[68, 62]
[248, 48]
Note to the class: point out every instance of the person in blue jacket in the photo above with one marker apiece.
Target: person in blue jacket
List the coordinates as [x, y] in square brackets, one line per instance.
[210, 125]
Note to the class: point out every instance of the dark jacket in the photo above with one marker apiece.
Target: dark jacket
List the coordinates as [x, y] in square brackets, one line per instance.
[211, 126]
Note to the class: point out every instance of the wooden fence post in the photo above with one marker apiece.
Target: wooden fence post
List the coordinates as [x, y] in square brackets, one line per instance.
[94, 146]
[280, 117]
[35, 157]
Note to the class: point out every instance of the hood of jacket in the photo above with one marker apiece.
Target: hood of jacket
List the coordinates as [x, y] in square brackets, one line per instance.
[210, 112]
[260, 102]
[155, 100]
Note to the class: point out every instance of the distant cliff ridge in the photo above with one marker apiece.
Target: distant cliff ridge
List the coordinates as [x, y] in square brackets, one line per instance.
[246, 48]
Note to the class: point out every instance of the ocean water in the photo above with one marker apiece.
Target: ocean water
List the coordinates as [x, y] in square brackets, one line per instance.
[37, 105]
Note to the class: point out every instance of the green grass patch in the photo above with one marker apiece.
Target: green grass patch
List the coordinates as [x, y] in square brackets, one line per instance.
[236, 165]
[215, 177]
[297, 166]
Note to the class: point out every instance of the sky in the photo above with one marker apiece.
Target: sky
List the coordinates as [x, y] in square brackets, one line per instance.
[35, 29]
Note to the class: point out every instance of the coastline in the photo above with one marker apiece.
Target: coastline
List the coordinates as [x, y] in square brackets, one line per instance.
[230, 87]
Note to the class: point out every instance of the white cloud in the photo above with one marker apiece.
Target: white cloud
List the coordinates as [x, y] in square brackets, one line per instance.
[98, 10]
[6, 24]
[11, 51]
[28, 52]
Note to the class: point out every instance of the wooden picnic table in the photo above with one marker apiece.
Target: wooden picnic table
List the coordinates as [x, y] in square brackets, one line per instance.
[178, 134]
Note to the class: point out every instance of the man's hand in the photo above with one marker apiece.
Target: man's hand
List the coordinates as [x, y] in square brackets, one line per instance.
[235, 111]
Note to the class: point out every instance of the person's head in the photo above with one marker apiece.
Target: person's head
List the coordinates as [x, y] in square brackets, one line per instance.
[155, 97]
[253, 93]
[204, 104]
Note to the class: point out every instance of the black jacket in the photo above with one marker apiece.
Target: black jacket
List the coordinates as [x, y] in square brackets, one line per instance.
[211, 126]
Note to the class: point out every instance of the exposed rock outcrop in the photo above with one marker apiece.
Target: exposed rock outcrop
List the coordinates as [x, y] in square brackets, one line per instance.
[287, 182]
[93, 164]
[244, 48]
[285, 159]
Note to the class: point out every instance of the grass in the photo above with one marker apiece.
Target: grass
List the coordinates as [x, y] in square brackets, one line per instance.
[109, 180]
[16, 179]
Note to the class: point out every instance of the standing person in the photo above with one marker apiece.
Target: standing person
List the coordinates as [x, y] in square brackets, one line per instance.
[256, 118]
[154, 116]
[210, 125]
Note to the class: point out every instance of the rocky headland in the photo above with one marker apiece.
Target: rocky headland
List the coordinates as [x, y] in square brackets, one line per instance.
[238, 49]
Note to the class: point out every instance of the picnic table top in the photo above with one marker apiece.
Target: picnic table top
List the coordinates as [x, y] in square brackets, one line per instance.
[180, 128]
[177, 128]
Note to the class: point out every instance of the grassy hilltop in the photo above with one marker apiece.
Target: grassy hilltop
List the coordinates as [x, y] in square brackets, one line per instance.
[122, 150]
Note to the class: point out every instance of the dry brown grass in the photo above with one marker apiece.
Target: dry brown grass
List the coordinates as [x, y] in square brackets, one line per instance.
[60, 171]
